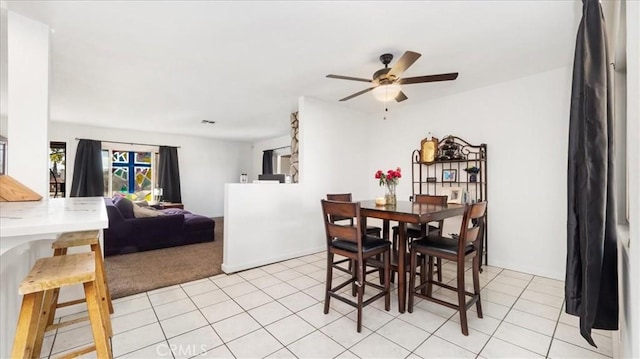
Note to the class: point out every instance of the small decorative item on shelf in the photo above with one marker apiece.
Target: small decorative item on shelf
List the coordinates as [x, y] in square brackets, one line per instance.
[428, 149]
[449, 175]
[473, 173]
[432, 179]
[390, 180]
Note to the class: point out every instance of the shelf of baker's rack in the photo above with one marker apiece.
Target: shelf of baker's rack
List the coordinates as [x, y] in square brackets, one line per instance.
[449, 161]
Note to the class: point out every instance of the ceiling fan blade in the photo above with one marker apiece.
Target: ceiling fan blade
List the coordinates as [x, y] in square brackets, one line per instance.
[429, 78]
[407, 59]
[357, 94]
[339, 77]
[401, 97]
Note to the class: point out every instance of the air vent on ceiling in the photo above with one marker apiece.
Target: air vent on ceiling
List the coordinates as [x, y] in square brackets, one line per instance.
[207, 122]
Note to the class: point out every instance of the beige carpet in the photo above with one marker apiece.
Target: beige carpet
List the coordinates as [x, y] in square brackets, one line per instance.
[134, 273]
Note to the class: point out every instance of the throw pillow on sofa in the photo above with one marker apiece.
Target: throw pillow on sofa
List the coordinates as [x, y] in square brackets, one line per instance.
[142, 212]
[124, 205]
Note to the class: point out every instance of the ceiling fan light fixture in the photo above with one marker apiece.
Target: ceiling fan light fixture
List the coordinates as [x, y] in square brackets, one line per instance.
[386, 93]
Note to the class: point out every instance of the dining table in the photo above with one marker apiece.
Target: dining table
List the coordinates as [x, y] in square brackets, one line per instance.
[405, 212]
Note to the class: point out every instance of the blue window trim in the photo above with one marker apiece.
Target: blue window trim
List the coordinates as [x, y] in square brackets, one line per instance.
[132, 168]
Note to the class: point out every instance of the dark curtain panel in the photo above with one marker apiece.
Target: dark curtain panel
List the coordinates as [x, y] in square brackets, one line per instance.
[591, 286]
[169, 174]
[87, 170]
[267, 162]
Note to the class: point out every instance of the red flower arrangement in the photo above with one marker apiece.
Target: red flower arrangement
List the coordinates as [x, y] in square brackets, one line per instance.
[390, 178]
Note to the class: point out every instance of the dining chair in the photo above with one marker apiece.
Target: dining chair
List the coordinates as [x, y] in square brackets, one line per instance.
[466, 246]
[420, 230]
[348, 240]
[370, 230]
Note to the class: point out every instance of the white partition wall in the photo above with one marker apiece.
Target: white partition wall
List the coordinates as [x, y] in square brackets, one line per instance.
[28, 102]
[266, 223]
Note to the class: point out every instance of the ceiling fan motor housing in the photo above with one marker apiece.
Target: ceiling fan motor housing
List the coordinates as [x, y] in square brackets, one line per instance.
[380, 76]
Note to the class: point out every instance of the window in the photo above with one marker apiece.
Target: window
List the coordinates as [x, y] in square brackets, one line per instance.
[130, 173]
[57, 172]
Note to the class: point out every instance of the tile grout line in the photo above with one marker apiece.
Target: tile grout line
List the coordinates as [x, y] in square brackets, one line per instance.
[554, 331]
[209, 323]
[445, 322]
[509, 311]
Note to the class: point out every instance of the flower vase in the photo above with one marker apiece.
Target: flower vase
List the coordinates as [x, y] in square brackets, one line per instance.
[473, 177]
[390, 196]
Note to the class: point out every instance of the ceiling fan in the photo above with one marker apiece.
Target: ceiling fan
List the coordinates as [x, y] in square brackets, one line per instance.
[386, 81]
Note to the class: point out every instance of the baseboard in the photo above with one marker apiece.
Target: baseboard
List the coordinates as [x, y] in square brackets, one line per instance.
[237, 268]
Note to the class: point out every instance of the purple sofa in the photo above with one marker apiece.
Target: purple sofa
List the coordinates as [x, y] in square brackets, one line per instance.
[127, 234]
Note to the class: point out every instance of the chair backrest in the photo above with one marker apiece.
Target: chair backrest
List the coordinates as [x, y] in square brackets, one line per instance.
[342, 197]
[348, 231]
[474, 215]
[430, 199]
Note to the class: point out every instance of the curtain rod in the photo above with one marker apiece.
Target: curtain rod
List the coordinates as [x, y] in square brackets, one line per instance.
[278, 148]
[124, 143]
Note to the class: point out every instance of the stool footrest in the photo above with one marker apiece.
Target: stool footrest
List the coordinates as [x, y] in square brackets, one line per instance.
[78, 352]
[66, 324]
[71, 302]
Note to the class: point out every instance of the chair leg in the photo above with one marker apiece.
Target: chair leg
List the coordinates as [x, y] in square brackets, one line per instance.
[423, 273]
[412, 279]
[387, 285]
[430, 277]
[361, 269]
[476, 283]
[328, 281]
[462, 299]
[354, 276]
[439, 270]
[381, 271]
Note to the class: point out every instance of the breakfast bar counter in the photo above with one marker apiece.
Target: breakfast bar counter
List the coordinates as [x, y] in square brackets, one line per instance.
[27, 230]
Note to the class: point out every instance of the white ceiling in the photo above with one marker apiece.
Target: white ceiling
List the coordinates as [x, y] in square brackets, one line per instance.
[167, 65]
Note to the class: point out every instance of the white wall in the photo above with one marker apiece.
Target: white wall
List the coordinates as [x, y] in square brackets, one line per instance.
[28, 102]
[265, 223]
[259, 147]
[524, 123]
[205, 164]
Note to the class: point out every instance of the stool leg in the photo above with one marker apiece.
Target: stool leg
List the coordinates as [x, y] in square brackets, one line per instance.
[102, 296]
[45, 318]
[27, 327]
[97, 319]
[53, 303]
[100, 268]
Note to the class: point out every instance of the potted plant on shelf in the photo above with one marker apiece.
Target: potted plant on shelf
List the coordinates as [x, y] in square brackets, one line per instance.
[473, 173]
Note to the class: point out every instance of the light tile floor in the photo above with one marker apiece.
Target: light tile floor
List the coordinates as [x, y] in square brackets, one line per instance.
[276, 311]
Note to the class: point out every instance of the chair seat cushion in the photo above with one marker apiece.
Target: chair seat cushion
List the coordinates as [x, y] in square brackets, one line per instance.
[414, 230]
[368, 244]
[441, 244]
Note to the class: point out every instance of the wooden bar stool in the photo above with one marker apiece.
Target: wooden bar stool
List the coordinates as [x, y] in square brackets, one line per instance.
[47, 275]
[76, 239]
